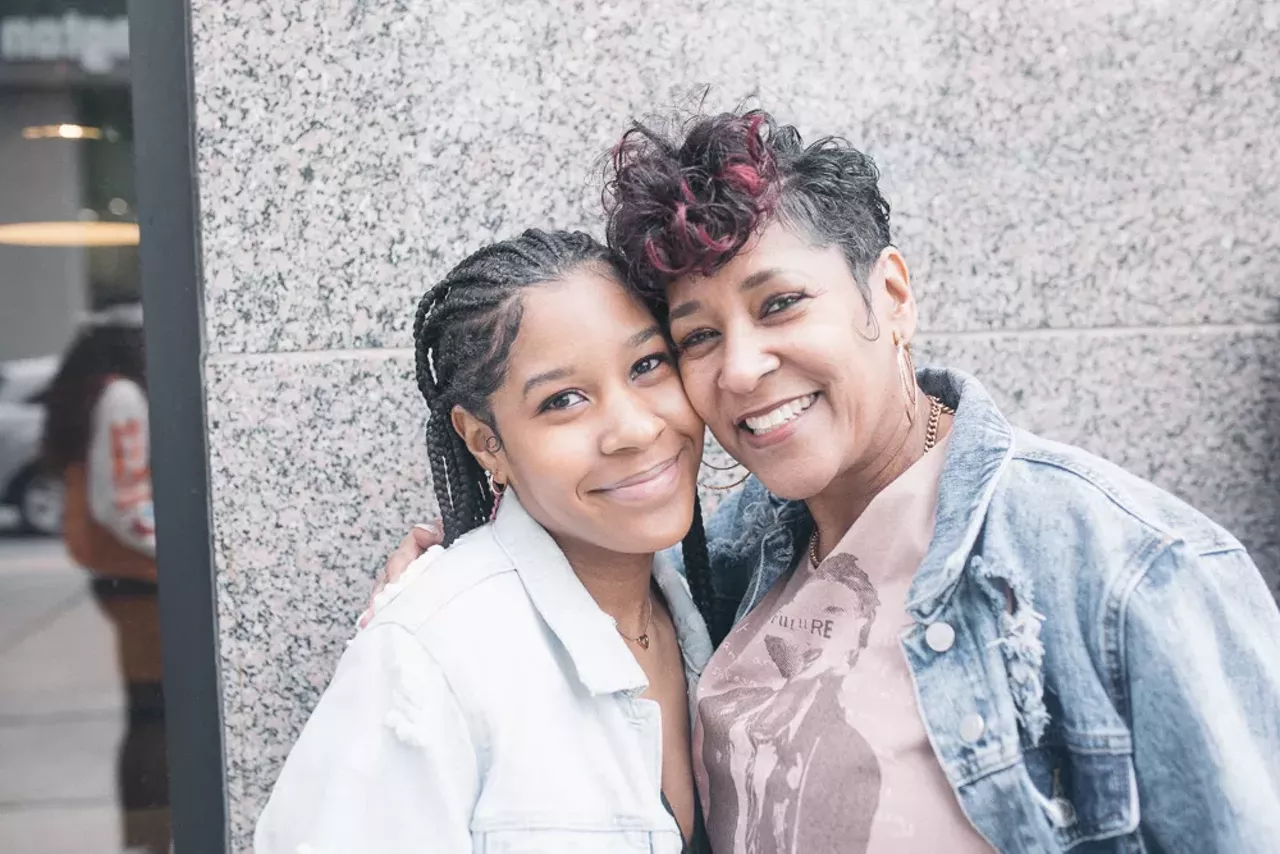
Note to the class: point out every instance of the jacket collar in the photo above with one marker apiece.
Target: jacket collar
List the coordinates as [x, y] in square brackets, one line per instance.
[589, 636]
[695, 641]
[979, 449]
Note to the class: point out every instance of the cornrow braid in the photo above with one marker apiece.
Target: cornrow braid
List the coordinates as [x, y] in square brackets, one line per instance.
[463, 332]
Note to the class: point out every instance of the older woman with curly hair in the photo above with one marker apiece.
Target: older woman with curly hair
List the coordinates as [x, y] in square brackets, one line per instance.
[936, 631]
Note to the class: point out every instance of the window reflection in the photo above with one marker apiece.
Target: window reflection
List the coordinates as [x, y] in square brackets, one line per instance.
[81, 694]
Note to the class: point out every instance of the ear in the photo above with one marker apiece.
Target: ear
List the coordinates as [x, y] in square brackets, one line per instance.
[900, 301]
[479, 439]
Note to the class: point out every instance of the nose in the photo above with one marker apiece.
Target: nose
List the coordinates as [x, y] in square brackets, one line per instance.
[745, 361]
[631, 424]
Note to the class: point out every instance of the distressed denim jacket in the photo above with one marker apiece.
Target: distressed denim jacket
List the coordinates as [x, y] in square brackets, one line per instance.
[1114, 681]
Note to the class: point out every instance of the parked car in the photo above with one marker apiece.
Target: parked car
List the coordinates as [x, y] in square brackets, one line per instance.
[36, 494]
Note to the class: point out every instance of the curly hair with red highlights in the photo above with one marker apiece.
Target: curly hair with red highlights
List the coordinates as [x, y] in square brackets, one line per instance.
[688, 200]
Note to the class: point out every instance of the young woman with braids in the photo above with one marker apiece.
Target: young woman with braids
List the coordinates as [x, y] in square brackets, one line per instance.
[531, 693]
[950, 634]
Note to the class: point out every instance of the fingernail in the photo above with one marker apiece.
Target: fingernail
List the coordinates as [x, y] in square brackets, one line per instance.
[430, 529]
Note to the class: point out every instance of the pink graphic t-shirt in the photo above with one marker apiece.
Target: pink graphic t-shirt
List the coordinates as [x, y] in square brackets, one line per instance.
[807, 738]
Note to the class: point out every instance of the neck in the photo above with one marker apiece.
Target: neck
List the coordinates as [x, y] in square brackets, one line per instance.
[844, 500]
[618, 582]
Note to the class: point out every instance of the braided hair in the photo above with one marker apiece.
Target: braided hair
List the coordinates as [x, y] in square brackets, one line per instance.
[463, 333]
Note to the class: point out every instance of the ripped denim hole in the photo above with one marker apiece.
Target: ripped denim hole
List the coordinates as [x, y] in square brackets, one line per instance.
[1020, 645]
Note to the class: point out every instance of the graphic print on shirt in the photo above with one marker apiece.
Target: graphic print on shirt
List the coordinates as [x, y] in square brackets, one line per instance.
[790, 740]
[119, 467]
[131, 476]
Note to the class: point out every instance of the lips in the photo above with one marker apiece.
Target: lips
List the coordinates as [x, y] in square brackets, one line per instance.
[654, 481]
[766, 421]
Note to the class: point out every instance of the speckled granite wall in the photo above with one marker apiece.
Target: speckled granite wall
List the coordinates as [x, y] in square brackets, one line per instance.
[1087, 190]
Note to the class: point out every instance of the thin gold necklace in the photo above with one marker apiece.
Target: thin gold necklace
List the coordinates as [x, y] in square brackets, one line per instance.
[643, 637]
[936, 410]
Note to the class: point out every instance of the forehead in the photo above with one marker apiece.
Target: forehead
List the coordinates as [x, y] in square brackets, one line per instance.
[777, 247]
[586, 312]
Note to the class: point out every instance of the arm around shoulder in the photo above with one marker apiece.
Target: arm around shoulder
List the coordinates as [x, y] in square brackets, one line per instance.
[1201, 640]
[384, 764]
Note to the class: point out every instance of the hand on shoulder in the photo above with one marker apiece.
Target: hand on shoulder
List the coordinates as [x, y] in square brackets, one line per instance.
[416, 551]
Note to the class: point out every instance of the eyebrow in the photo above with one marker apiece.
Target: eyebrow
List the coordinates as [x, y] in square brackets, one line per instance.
[644, 335]
[758, 278]
[545, 377]
[755, 280]
[684, 309]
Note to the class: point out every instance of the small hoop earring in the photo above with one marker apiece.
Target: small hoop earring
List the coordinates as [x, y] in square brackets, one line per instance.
[498, 489]
[492, 444]
[907, 374]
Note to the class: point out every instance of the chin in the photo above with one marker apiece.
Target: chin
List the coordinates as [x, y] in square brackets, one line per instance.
[659, 529]
[792, 482]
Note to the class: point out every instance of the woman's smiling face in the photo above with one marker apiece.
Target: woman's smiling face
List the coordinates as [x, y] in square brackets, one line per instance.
[782, 358]
[597, 436]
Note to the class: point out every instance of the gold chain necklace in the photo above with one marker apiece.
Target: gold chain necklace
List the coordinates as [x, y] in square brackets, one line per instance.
[936, 410]
[643, 637]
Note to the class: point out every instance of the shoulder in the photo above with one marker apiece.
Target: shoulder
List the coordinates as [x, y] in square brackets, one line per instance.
[1084, 532]
[1059, 485]
[121, 399]
[473, 576]
[1099, 552]
[752, 529]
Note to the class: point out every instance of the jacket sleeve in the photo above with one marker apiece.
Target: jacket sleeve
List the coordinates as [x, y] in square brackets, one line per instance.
[385, 764]
[1202, 654]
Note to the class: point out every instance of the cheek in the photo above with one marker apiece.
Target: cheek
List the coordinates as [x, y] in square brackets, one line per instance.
[672, 404]
[698, 379]
[861, 375]
[548, 465]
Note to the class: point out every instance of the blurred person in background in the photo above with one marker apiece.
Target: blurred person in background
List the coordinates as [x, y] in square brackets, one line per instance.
[97, 438]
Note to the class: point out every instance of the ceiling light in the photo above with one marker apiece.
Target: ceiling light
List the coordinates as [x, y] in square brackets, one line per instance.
[61, 132]
[70, 234]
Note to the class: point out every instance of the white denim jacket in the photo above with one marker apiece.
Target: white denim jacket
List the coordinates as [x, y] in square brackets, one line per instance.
[491, 707]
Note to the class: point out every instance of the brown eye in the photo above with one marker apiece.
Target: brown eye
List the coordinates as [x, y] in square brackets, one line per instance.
[694, 338]
[781, 303]
[563, 400]
[649, 364]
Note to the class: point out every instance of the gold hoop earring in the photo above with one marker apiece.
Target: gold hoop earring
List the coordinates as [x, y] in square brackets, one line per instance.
[731, 467]
[733, 485]
[907, 374]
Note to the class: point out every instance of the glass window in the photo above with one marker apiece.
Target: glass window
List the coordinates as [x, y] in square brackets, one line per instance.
[82, 723]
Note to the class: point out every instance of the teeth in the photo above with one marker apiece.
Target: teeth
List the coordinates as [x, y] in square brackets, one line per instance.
[781, 415]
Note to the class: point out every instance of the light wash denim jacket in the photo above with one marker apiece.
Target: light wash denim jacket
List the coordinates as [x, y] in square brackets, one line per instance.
[492, 708]
[1114, 682]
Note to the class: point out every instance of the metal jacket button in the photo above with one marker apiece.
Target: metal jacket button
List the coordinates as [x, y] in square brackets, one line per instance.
[940, 636]
[972, 727]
